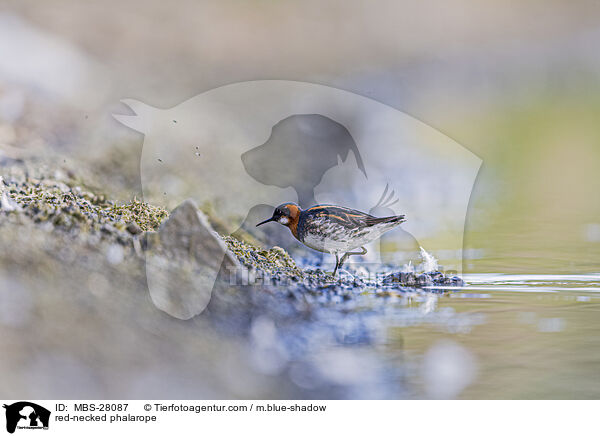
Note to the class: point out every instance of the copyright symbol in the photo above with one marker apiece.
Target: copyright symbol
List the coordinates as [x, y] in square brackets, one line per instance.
[147, 407]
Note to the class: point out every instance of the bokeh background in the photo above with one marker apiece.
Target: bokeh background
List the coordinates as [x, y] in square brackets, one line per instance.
[516, 83]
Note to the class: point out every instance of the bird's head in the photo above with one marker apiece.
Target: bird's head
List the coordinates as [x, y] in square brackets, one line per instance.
[286, 214]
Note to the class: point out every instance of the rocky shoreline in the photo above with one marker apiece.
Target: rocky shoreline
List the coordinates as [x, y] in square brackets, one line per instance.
[54, 199]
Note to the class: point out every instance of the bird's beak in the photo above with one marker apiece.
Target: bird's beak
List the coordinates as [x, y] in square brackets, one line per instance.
[265, 221]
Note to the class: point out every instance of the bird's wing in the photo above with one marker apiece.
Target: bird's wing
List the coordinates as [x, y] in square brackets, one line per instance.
[351, 218]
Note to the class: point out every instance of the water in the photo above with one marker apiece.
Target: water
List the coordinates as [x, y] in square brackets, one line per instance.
[535, 336]
[500, 336]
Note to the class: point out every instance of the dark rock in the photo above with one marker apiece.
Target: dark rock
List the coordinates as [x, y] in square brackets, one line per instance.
[133, 228]
[436, 276]
[424, 280]
[407, 279]
[108, 229]
[412, 280]
[457, 281]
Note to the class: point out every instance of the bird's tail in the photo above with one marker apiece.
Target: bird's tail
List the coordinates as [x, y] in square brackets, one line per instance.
[396, 219]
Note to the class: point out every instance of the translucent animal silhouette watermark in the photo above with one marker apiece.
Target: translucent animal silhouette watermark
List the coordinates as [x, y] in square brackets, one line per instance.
[242, 149]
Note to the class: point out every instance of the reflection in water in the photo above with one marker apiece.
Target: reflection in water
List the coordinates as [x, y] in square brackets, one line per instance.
[407, 344]
[539, 340]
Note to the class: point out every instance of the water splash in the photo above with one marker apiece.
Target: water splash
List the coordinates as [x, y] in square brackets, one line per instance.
[430, 263]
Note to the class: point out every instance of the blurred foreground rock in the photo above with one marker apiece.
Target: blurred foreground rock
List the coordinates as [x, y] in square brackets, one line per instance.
[183, 266]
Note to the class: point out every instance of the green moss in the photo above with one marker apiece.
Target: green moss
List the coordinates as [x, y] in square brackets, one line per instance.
[73, 207]
[146, 216]
[272, 261]
[276, 264]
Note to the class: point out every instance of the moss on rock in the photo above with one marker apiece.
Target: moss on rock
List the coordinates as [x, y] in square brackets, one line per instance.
[271, 261]
[70, 207]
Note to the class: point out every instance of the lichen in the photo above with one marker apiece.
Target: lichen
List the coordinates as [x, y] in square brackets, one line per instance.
[72, 207]
[272, 261]
[145, 215]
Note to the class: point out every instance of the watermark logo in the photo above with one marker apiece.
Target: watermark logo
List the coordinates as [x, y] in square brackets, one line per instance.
[242, 149]
[24, 415]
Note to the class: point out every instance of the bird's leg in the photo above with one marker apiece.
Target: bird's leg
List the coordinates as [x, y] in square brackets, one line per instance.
[337, 262]
[352, 253]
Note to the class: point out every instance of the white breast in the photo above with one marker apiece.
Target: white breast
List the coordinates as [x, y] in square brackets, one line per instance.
[334, 238]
